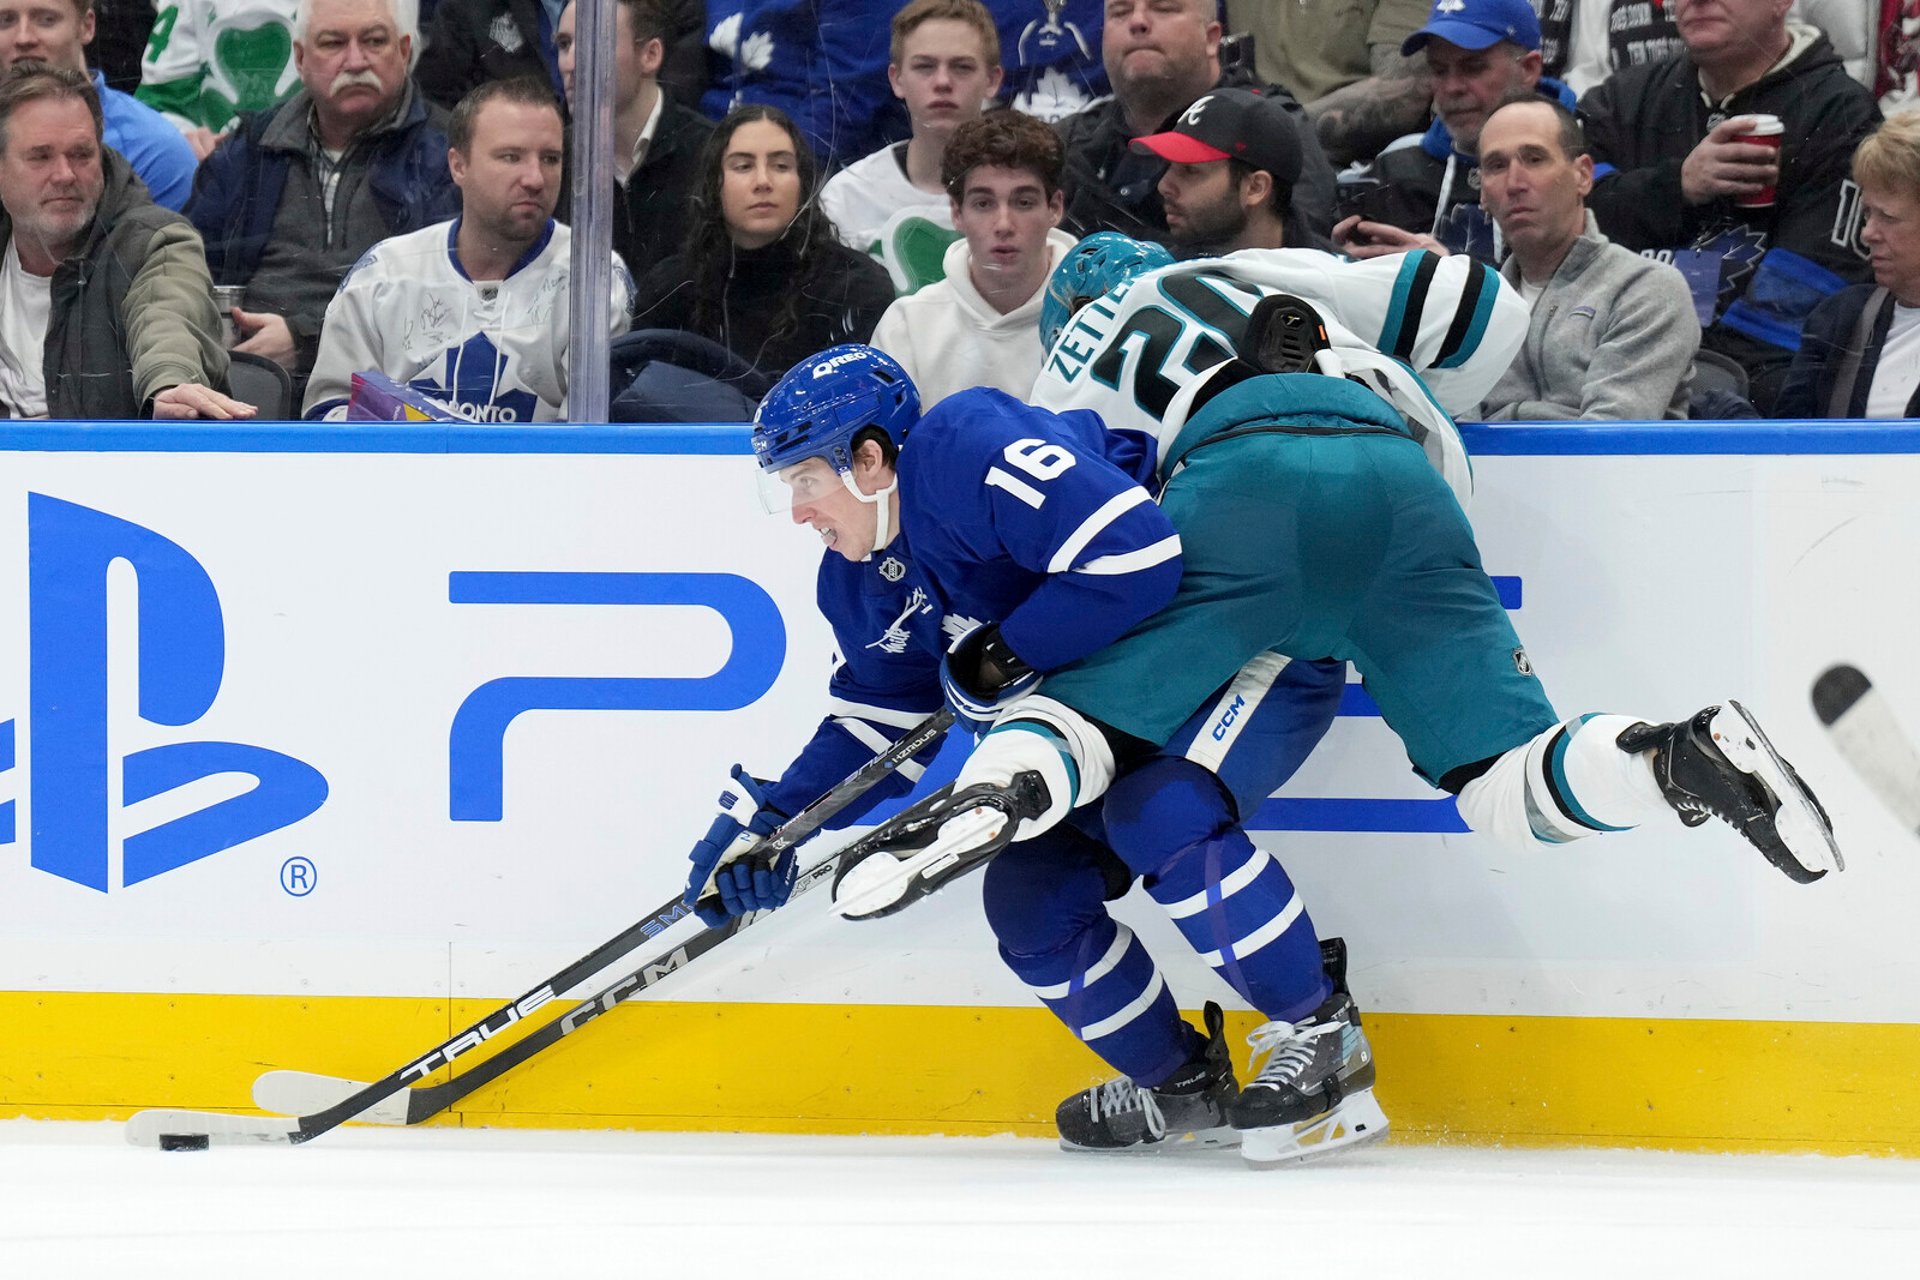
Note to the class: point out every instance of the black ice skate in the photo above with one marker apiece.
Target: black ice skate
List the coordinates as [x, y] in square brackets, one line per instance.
[1189, 1110]
[1315, 1093]
[1720, 764]
[1284, 334]
[938, 840]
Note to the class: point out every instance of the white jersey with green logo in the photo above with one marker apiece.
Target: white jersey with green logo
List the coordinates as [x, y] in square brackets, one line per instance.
[210, 60]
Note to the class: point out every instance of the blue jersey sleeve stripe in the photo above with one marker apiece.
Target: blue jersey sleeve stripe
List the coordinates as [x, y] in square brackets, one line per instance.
[1397, 309]
[1133, 561]
[1477, 330]
[1093, 526]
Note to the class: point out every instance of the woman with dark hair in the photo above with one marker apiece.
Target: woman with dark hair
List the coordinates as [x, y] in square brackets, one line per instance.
[762, 273]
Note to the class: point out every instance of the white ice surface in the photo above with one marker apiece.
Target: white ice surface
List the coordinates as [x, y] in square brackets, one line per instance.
[76, 1201]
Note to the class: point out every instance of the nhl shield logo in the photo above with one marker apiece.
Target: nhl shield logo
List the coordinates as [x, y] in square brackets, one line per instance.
[892, 570]
[1522, 663]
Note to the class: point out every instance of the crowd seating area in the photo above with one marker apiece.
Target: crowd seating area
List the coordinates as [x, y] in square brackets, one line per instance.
[358, 209]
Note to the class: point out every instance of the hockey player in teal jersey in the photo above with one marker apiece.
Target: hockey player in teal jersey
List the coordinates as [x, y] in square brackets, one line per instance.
[986, 544]
[1302, 463]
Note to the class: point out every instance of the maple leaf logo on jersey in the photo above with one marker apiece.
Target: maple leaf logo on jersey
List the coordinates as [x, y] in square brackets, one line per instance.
[756, 51]
[1053, 97]
[471, 376]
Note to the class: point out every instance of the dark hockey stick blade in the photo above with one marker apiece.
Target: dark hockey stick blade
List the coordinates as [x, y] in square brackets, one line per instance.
[1837, 690]
[1870, 739]
[300, 1093]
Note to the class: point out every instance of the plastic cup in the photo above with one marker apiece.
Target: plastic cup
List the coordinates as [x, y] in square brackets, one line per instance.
[225, 298]
[1765, 131]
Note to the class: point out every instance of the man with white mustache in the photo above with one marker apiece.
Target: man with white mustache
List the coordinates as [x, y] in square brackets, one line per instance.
[297, 193]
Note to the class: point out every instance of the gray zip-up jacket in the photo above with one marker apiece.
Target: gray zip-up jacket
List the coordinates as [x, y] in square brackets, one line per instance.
[1612, 338]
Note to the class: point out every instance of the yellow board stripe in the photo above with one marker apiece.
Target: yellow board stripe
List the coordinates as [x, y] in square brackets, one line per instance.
[1703, 1085]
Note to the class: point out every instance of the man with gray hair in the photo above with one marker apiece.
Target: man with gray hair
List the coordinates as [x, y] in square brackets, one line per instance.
[292, 199]
[105, 307]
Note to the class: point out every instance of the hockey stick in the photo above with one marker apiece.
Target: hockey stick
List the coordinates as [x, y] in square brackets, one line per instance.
[294, 1092]
[182, 1129]
[1870, 739]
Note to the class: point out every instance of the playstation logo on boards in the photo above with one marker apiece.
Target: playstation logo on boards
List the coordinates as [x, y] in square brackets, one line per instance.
[180, 637]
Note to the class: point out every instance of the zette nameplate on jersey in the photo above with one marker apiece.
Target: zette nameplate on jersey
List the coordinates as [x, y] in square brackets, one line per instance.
[318, 743]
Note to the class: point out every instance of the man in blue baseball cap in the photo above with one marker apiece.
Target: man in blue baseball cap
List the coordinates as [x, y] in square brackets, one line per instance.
[1424, 191]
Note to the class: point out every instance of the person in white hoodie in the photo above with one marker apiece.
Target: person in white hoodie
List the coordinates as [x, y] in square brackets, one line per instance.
[980, 327]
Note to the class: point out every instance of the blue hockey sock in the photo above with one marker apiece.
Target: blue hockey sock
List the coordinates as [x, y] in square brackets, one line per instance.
[1237, 907]
[1107, 990]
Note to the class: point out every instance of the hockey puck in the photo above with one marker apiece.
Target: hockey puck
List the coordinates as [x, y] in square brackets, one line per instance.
[185, 1142]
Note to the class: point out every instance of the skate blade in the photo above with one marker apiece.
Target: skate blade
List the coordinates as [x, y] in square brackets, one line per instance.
[1798, 823]
[881, 884]
[1225, 1137]
[1356, 1121]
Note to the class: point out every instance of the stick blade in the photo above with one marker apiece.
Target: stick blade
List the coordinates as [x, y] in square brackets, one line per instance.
[147, 1128]
[1866, 734]
[304, 1093]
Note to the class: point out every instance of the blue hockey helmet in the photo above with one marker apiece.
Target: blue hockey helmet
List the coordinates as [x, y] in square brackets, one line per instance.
[818, 410]
[821, 404]
[1096, 266]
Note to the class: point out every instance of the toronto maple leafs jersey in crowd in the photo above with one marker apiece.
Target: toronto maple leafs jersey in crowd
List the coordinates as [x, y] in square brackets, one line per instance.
[824, 63]
[1429, 334]
[493, 350]
[1009, 514]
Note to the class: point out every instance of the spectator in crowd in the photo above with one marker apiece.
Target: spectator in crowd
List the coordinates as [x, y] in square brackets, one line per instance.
[761, 272]
[106, 310]
[945, 66]
[472, 312]
[212, 62]
[1231, 166]
[1762, 233]
[55, 33]
[1609, 35]
[656, 141]
[980, 326]
[1612, 335]
[1161, 56]
[1424, 191]
[781, 52]
[1343, 59]
[1860, 354]
[299, 192]
[474, 41]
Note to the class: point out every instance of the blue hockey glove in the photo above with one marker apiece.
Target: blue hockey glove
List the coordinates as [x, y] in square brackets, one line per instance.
[980, 676]
[740, 886]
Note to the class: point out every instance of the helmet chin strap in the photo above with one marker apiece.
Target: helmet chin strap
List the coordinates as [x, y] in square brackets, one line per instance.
[883, 531]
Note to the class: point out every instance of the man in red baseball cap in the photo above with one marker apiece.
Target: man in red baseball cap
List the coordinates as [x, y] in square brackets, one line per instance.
[1233, 158]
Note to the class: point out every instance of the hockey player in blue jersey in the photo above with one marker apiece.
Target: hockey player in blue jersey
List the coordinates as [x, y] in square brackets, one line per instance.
[1000, 542]
[1312, 521]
